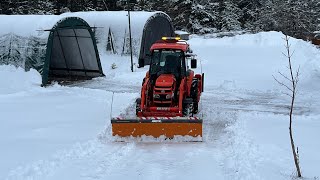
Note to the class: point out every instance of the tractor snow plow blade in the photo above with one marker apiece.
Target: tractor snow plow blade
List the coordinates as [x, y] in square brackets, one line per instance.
[156, 127]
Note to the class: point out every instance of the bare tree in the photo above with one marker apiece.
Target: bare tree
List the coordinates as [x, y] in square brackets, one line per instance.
[291, 85]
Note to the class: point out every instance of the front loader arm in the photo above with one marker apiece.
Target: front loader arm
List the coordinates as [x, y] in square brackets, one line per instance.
[144, 93]
[182, 92]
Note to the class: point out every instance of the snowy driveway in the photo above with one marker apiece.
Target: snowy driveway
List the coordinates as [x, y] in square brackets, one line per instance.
[63, 132]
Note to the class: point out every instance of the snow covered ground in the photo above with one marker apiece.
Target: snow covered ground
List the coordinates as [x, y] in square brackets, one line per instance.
[63, 132]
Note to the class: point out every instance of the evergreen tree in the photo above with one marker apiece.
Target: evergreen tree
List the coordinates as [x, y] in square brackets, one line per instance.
[230, 16]
[294, 17]
[250, 13]
[12, 50]
[34, 53]
[201, 20]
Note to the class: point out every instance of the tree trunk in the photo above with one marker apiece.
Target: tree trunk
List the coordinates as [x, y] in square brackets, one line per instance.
[294, 81]
[294, 153]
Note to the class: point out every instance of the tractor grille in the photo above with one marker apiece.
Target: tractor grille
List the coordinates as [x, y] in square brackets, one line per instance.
[162, 89]
[162, 92]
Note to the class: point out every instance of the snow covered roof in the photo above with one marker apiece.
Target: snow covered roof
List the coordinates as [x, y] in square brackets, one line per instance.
[28, 25]
[182, 34]
[179, 32]
[117, 22]
[146, 28]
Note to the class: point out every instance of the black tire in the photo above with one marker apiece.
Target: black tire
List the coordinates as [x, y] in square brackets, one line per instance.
[202, 88]
[195, 108]
[194, 95]
[187, 107]
[138, 105]
[194, 89]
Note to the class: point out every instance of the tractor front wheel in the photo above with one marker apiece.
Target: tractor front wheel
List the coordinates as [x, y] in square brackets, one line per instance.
[187, 107]
[138, 105]
[195, 108]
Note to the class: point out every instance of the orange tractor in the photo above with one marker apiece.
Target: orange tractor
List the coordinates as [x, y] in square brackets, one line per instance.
[170, 95]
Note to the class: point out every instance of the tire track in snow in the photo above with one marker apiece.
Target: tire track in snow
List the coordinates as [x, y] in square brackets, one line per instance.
[44, 168]
[225, 144]
[80, 153]
[223, 132]
[103, 164]
[215, 122]
[254, 101]
[242, 157]
[108, 85]
[159, 161]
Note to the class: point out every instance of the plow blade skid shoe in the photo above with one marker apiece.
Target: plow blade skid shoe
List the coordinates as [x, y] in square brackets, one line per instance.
[157, 127]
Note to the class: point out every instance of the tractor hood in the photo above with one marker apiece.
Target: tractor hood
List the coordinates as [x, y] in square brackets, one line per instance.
[165, 80]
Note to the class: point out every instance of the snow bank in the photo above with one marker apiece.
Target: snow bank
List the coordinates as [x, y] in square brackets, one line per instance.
[264, 137]
[37, 122]
[16, 79]
[249, 61]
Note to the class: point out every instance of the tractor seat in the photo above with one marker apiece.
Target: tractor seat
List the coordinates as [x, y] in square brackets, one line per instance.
[172, 65]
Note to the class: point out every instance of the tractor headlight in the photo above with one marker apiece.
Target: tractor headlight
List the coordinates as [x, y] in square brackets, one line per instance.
[156, 96]
[169, 96]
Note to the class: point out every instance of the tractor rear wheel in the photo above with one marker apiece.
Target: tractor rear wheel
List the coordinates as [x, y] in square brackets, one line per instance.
[194, 92]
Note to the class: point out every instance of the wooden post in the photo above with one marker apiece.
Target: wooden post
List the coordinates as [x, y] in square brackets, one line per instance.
[128, 1]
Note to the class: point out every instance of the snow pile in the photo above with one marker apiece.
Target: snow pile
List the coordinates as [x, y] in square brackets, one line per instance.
[249, 61]
[241, 83]
[311, 68]
[37, 123]
[16, 80]
[264, 138]
[123, 67]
